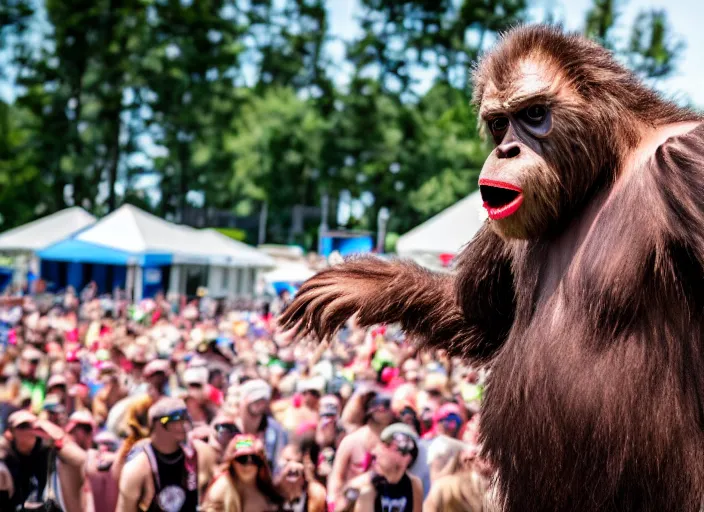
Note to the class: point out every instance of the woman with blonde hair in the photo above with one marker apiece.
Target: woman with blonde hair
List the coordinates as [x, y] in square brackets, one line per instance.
[460, 478]
[466, 491]
[444, 456]
[245, 483]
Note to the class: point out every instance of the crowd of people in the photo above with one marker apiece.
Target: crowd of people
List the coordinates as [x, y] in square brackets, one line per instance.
[177, 406]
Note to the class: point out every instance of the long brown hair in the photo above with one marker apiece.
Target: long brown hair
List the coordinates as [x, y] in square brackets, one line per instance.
[264, 482]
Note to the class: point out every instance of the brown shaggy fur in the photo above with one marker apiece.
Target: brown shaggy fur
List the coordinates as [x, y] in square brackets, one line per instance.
[592, 323]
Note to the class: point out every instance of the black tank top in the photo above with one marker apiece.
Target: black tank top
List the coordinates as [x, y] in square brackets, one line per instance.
[29, 474]
[175, 480]
[396, 497]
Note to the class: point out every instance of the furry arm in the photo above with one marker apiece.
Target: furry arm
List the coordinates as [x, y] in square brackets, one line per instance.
[426, 304]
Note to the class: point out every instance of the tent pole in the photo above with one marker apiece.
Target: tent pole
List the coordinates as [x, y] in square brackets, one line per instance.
[129, 283]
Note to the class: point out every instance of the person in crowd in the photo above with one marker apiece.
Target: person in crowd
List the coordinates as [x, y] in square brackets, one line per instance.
[134, 424]
[354, 456]
[107, 366]
[110, 393]
[54, 410]
[389, 486]
[447, 421]
[73, 489]
[31, 382]
[224, 429]
[28, 453]
[300, 492]
[459, 492]
[328, 435]
[306, 404]
[215, 389]
[444, 456]
[254, 418]
[58, 386]
[199, 408]
[245, 483]
[165, 473]
[103, 485]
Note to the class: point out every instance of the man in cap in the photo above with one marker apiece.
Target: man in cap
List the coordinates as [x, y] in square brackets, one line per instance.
[196, 380]
[103, 484]
[310, 391]
[328, 435]
[166, 473]
[57, 385]
[389, 486]
[254, 419]
[24, 458]
[54, 410]
[157, 373]
[354, 455]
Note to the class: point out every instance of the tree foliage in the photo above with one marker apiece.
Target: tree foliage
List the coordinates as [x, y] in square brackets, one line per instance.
[245, 107]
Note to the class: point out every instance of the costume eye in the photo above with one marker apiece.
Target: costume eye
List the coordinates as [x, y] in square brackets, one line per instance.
[535, 114]
[498, 124]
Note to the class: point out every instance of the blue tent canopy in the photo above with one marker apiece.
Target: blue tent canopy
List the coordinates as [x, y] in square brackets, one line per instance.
[76, 251]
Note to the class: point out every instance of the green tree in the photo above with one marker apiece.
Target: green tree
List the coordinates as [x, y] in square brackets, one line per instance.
[187, 93]
[652, 49]
[275, 146]
[18, 171]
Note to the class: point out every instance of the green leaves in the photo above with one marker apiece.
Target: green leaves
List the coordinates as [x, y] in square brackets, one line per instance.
[651, 49]
[230, 106]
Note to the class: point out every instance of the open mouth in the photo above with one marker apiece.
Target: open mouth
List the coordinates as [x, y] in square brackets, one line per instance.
[293, 476]
[500, 199]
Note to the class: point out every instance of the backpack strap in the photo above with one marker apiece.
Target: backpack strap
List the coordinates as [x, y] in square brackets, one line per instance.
[155, 468]
[51, 473]
[191, 462]
[52, 492]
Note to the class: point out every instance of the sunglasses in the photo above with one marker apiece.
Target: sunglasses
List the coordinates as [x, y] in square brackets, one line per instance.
[109, 446]
[230, 428]
[246, 460]
[408, 411]
[313, 392]
[380, 403]
[24, 426]
[401, 443]
[196, 385]
[451, 418]
[83, 427]
[32, 361]
[175, 416]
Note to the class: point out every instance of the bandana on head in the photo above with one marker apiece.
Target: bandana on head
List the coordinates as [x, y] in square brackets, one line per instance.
[243, 444]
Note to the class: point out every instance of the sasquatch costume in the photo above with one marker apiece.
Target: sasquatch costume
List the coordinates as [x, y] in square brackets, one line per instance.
[584, 290]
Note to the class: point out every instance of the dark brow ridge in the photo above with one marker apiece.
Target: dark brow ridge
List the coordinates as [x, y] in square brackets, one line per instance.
[520, 104]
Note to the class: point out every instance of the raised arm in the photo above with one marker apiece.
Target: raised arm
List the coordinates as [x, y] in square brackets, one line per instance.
[468, 314]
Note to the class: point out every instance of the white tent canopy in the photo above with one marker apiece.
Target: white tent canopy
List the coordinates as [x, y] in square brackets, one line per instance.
[226, 251]
[133, 230]
[42, 233]
[290, 272]
[447, 232]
